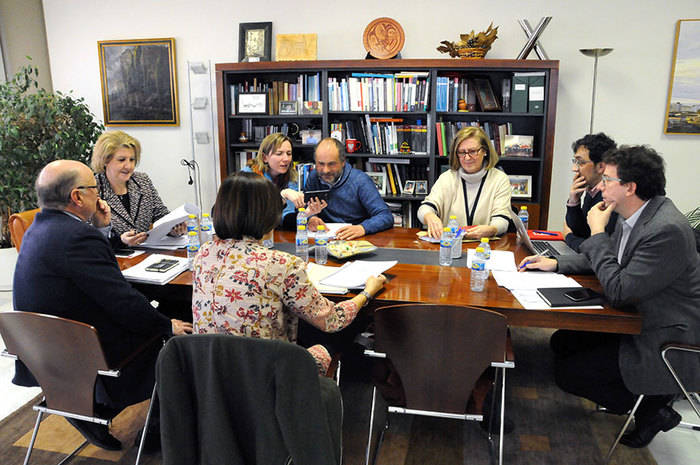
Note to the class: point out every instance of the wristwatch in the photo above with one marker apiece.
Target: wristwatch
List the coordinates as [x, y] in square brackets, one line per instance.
[367, 296]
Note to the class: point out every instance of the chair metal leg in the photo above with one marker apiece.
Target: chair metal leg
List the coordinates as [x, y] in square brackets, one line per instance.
[371, 423]
[624, 428]
[503, 415]
[380, 441]
[31, 441]
[145, 426]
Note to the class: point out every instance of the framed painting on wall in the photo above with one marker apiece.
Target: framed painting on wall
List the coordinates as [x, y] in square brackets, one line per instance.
[139, 82]
[254, 41]
[683, 106]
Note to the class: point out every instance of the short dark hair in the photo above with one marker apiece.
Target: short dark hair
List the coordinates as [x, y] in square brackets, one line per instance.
[246, 205]
[56, 194]
[336, 143]
[639, 164]
[597, 145]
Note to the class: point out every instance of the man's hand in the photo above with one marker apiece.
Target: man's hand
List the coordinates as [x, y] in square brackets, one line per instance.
[537, 262]
[598, 217]
[314, 222]
[577, 188]
[296, 197]
[348, 233]
[315, 206]
[434, 225]
[103, 214]
[132, 238]
[178, 230]
[566, 230]
[181, 327]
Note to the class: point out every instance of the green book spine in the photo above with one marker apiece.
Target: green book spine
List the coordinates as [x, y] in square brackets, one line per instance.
[519, 94]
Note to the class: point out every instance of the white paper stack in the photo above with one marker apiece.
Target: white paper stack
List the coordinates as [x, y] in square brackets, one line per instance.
[158, 236]
[353, 275]
[138, 273]
[318, 272]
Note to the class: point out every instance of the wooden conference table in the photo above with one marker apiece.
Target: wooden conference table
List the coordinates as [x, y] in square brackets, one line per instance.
[411, 283]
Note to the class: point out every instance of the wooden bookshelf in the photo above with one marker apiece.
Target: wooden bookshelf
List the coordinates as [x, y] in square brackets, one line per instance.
[539, 125]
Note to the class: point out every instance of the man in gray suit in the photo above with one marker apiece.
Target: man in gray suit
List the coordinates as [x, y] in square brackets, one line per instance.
[649, 265]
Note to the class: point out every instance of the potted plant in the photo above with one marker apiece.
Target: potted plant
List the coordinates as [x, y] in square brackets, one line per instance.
[37, 127]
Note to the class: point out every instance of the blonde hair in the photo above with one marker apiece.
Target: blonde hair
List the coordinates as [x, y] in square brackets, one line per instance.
[108, 143]
[267, 146]
[469, 133]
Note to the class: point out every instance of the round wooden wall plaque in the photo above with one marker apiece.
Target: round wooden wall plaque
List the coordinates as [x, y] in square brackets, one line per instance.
[383, 38]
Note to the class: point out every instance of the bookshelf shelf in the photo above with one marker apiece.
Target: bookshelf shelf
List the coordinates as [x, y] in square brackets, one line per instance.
[327, 76]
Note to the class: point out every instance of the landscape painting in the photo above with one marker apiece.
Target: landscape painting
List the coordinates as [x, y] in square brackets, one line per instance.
[683, 107]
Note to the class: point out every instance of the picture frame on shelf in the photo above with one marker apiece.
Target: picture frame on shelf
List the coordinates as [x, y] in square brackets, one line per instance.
[296, 47]
[421, 188]
[518, 146]
[379, 179]
[254, 42]
[521, 186]
[310, 136]
[485, 96]
[252, 103]
[312, 108]
[123, 99]
[409, 187]
[288, 107]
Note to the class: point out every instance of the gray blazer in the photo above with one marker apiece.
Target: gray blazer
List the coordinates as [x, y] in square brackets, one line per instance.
[659, 277]
[145, 204]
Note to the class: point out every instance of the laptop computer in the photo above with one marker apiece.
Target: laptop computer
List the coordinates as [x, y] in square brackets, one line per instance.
[546, 248]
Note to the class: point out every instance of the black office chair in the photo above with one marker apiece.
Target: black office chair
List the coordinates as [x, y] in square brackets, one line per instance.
[439, 353]
[65, 357]
[665, 350]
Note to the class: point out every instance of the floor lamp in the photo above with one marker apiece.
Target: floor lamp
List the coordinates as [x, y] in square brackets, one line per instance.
[594, 52]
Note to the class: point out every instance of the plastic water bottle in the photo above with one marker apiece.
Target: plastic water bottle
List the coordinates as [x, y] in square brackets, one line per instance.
[479, 273]
[456, 242]
[487, 248]
[192, 224]
[205, 229]
[446, 247]
[269, 240]
[524, 216]
[192, 246]
[301, 217]
[302, 243]
[321, 249]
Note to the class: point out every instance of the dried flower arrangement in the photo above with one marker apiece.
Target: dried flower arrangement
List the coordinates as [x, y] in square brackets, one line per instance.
[470, 45]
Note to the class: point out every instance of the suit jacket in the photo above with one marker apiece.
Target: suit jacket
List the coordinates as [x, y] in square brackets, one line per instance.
[145, 205]
[239, 400]
[576, 219]
[66, 268]
[659, 277]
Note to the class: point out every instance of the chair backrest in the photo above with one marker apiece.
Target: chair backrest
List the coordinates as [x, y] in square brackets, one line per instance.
[19, 223]
[63, 355]
[439, 351]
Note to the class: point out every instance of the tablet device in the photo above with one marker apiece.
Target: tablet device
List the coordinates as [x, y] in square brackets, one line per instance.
[162, 266]
[320, 195]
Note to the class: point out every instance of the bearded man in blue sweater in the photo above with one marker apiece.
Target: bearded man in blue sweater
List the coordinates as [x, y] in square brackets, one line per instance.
[353, 197]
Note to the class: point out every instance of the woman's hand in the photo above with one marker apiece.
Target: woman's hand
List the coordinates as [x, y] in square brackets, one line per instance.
[296, 197]
[537, 262]
[375, 284]
[481, 230]
[315, 206]
[132, 238]
[181, 327]
[178, 230]
[434, 225]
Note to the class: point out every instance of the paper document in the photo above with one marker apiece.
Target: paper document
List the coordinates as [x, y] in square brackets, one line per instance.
[331, 229]
[158, 236]
[529, 299]
[501, 260]
[354, 274]
[532, 279]
[318, 272]
[138, 273]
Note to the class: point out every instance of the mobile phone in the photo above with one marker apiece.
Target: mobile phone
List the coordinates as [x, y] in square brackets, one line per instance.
[320, 195]
[578, 295]
[162, 266]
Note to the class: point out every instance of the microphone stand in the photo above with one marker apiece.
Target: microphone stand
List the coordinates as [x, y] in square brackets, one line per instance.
[193, 168]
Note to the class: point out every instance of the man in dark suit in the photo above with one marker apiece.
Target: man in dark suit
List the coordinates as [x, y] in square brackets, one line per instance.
[649, 265]
[588, 168]
[66, 268]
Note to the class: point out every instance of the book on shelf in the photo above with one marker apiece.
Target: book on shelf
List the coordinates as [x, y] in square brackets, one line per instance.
[400, 92]
[527, 95]
[447, 130]
[243, 158]
[303, 172]
[518, 146]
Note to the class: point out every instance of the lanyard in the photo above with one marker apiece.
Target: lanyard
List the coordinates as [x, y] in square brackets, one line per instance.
[470, 216]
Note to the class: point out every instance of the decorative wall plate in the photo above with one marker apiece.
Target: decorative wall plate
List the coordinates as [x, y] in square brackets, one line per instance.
[383, 38]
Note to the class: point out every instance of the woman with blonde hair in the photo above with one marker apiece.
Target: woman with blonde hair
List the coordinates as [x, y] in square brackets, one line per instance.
[133, 199]
[473, 189]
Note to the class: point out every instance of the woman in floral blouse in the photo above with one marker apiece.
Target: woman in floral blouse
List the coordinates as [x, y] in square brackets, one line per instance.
[242, 288]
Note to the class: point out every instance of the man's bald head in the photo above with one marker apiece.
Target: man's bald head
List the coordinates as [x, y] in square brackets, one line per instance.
[56, 181]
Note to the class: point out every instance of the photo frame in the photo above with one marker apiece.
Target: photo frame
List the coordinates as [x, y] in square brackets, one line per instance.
[254, 41]
[485, 96]
[683, 105]
[296, 47]
[521, 186]
[288, 107]
[139, 82]
[518, 146]
[421, 188]
[252, 103]
[409, 187]
[379, 179]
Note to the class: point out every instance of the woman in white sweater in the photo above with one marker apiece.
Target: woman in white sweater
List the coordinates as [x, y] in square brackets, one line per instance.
[473, 190]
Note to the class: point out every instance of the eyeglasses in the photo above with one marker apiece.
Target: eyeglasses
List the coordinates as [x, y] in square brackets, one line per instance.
[607, 178]
[579, 162]
[87, 187]
[471, 153]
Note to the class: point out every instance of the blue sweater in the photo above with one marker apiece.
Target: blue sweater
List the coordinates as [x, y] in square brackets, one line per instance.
[289, 206]
[354, 199]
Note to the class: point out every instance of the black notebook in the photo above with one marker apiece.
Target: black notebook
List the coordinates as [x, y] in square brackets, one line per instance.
[570, 296]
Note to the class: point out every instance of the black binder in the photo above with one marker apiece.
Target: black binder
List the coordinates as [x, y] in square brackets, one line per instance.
[555, 297]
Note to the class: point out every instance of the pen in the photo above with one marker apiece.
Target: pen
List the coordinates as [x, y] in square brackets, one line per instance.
[538, 254]
[546, 233]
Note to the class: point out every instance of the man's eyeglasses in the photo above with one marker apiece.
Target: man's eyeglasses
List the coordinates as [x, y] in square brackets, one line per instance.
[87, 187]
[471, 153]
[579, 162]
[607, 178]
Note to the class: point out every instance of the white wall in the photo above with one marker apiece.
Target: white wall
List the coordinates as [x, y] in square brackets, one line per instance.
[632, 81]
